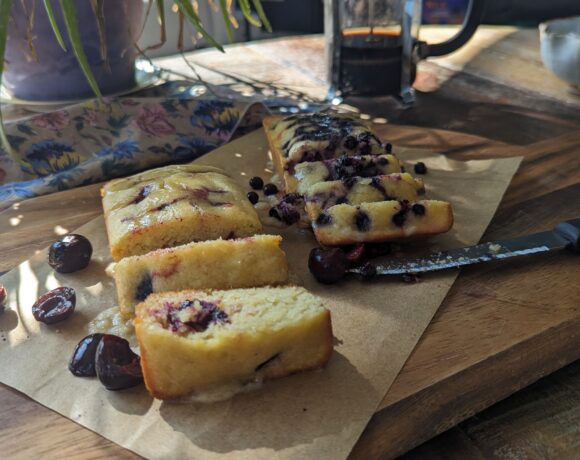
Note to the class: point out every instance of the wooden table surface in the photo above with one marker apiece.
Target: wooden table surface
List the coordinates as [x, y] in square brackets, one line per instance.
[492, 98]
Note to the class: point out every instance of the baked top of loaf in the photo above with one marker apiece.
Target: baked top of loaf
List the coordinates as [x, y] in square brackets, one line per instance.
[173, 205]
[316, 137]
[215, 264]
[196, 340]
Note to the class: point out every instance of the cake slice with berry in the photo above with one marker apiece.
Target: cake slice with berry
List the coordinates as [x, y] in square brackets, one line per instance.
[195, 341]
[174, 205]
[358, 190]
[380, 221]
[316, 137]
[308, 174]
[216, 264]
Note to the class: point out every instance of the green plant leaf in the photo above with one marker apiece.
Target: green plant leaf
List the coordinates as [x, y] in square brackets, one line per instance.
[70, 20]
[98, 11]
[247, 12]
[5, 7]
[262, 15]
[53, 24]
[161, 13]
[187, 9]
[226, 16]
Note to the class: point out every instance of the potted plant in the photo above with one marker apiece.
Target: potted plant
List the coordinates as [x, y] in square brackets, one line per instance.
[67, 49]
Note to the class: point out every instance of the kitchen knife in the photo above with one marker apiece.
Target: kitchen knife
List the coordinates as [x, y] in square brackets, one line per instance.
[565, 235]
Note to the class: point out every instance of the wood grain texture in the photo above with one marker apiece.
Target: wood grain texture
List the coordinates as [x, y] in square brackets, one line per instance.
[502, 327]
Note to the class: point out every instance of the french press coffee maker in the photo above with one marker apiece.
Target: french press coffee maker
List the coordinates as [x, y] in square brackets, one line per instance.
[373, 46]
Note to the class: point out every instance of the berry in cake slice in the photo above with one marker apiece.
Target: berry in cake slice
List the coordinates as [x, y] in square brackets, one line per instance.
[195, 341]
[381, 221]
[216, 264]
[316, 137]
[358, 190]
[308, 174]
[173, 205]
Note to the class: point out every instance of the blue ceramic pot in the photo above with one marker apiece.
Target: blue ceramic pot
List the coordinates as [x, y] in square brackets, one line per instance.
[55, 74]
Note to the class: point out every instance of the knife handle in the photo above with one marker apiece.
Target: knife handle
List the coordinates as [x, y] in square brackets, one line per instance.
[570, 231]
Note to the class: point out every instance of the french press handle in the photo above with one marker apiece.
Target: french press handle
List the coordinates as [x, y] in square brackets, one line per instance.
[472, 19]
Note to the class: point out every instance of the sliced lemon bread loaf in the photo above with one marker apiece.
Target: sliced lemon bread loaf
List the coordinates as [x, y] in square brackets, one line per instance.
[216, 264]
[173, 205]
[193, 341]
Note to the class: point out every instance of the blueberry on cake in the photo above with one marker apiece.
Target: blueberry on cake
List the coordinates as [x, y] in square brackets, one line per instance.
[308, 174]
[316, 137]
[173, 205]
[216, 264]
[381, 221]
[195, 341]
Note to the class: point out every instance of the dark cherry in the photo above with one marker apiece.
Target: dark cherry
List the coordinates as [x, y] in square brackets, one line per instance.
[3, 296]
[54, 306]
[270, 189]
[82, 362]
[327, 265]
[70, 253]
[373, 250]
[256, 183]
[418, 209]
[253, 197]
[420, 168]
[356, 253]
[368, 271]
[116, 365]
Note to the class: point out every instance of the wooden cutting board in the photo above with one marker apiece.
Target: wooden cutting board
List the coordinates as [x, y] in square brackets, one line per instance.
[502, 326]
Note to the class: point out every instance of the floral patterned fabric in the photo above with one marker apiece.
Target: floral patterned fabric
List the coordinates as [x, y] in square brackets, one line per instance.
[96, 141]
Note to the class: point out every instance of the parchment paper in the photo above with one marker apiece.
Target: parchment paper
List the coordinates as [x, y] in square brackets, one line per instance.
[312, 415]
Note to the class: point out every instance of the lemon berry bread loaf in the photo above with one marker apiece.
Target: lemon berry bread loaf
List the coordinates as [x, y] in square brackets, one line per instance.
[358, 190]
[316, 137]
[308, 174]
[216, 264]
[194, 341]
[344, 224]
[173, 205]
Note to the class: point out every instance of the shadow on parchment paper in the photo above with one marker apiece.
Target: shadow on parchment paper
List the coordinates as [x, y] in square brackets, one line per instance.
[236, 425]
[8, 321]
[89, 276]
[133, 401]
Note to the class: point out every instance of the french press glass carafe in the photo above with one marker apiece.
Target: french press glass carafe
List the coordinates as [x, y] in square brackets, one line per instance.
[373, 45]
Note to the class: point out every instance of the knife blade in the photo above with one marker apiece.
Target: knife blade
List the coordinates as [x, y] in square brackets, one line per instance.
[565, 235]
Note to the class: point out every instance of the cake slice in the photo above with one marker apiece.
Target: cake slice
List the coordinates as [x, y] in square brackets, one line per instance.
[316, 137]
[381, 221]
[194, 341]
[358, 190]
[308, 174]
[173, 205]
[218, 264]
